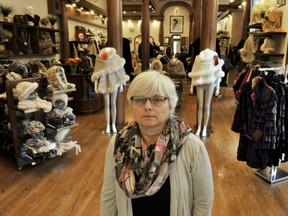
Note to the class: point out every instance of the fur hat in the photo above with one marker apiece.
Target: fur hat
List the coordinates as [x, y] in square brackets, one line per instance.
[57, 78]
[268, 45]
[272, 20]
[207, 68]
[175, 68]
[109, 69]
[251, 45]
[157, 66]
[62, 96]
[24, 89]
[257, 13]
[33, 127]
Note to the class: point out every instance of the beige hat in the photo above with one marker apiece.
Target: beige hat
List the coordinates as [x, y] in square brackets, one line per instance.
[24, 89]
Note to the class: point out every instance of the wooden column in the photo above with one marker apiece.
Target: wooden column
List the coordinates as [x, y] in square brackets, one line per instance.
[245, 19]
[145, 35]
[196, 20]
[115, 38]
[65, 51]
[161, 32]
[209, 24]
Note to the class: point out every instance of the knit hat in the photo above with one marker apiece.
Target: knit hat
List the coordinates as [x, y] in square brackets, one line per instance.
[33, 127]
[24, 89]
[109, 69]
[207, 68]
[63, 97]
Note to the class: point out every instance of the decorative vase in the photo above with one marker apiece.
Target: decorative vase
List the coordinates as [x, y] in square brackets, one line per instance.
[73, 67]
[6, 19]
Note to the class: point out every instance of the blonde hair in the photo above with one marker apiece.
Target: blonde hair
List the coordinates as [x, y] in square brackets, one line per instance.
[149, 83]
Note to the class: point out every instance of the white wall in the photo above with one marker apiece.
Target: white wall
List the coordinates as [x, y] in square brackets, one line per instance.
[132, 28]
[176, 11]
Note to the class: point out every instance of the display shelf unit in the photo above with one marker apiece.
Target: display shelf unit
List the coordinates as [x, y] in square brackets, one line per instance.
[34, 32]
[279, 36]
[17, 117]
[85, 100]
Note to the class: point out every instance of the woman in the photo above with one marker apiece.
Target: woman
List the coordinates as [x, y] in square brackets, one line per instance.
[155, 165]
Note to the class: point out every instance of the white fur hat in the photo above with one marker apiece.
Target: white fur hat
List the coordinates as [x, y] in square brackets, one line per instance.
[24, 89]
[109, 69]
[207, 68]
[62, 96]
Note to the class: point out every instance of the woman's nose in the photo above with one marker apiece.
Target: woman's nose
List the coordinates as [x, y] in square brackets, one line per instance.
[148, 105]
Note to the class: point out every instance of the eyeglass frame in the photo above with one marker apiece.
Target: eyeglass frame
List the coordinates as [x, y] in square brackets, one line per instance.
[151, 101]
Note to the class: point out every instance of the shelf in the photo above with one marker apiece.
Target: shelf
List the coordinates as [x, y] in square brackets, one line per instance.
[62, 128]
[269, 54]
[63, 91]
[30, 35]
[268, 34]
[255, 25]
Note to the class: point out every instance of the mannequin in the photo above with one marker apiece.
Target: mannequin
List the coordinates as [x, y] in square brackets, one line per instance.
[33, 19]
[110, 97]
[204, 97]
[109, 76]
[206, 75]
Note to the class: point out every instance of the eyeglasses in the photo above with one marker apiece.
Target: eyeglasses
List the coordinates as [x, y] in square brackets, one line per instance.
[155, 101]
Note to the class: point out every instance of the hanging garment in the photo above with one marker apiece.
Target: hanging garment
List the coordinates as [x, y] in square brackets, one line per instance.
[255, 121]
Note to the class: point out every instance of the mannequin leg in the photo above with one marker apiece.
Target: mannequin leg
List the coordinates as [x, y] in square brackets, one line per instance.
[200, 98]
[208, 97]
[107, 112]
[114, 110]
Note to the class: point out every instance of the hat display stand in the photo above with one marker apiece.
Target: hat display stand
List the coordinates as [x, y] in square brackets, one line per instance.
[34, 140]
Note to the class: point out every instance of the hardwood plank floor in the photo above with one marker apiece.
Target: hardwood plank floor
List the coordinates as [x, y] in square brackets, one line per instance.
[71, 185]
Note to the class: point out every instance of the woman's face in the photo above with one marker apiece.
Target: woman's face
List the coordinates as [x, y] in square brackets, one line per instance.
[151, 116]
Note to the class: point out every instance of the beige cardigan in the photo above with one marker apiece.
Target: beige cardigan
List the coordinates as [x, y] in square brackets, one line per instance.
[191, 183]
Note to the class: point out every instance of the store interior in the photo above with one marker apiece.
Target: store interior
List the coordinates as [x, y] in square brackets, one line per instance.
[54, 131]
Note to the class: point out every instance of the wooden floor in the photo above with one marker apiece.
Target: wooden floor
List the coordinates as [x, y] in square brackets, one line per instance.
[71, 185]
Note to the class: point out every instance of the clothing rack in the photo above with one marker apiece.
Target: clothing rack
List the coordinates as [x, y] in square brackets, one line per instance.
[273, 174]
[272, 68]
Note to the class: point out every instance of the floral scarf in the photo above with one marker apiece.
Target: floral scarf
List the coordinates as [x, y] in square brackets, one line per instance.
[142, 172]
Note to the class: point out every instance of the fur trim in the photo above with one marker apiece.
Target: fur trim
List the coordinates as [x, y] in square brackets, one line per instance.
[37, 103]
[207, 68]
[109, 71]
[24, 89]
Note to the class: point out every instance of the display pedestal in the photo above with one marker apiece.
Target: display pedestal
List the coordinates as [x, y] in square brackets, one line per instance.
[85, 100]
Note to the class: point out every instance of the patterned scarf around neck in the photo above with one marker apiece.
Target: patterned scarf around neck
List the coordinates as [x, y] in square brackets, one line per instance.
[142, 174]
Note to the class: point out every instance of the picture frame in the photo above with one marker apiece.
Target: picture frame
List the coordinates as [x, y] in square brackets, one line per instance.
[281, 3]
[176, 24]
